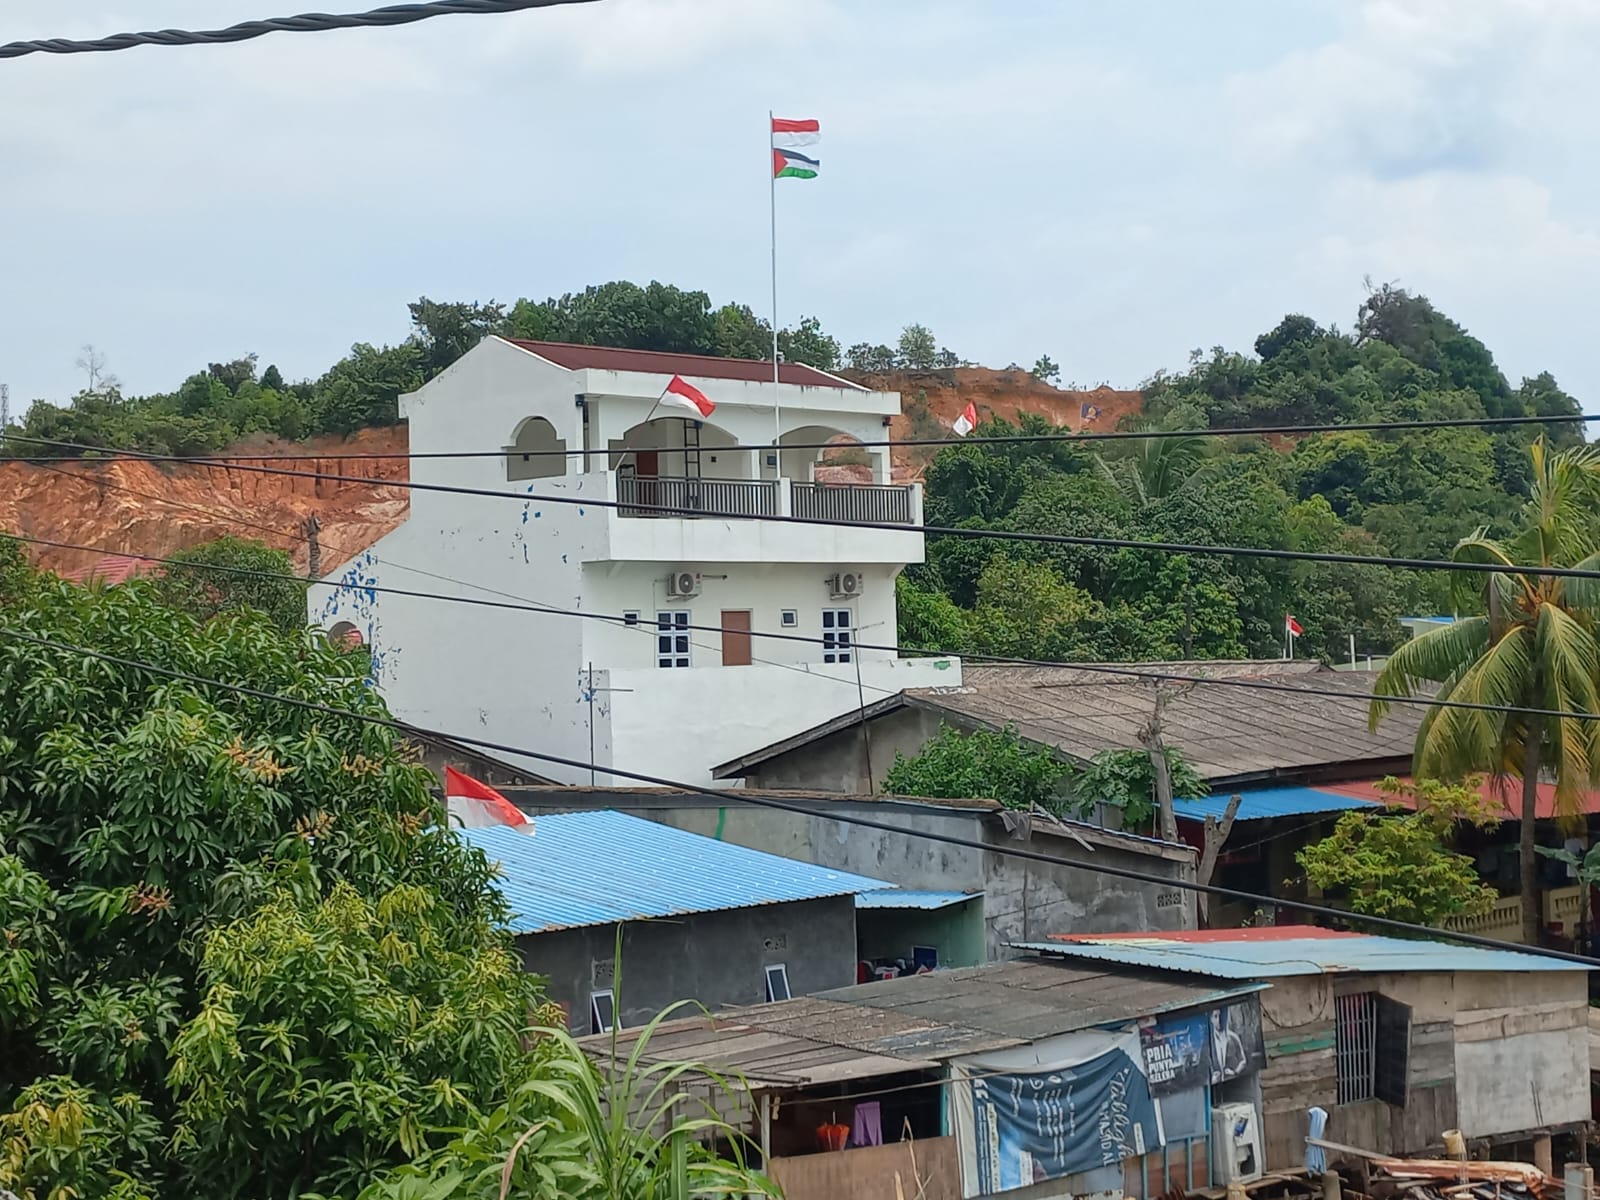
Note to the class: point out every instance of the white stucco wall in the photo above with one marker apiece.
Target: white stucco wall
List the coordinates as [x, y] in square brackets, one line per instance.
[520, 678]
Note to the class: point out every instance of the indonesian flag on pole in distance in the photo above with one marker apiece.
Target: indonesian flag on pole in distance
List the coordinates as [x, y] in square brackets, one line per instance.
[1292, 625]
[967, 421]
[685, 395]
[474, 805]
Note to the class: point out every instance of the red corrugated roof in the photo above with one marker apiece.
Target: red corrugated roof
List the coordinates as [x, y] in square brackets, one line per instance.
[1506, 798]
[1262, 933]
[703, 366]
[110, 570]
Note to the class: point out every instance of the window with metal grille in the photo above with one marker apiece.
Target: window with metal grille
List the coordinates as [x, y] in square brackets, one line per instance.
[1355, 1040]
[1372, 1048]
[672, 638]
[836, 626]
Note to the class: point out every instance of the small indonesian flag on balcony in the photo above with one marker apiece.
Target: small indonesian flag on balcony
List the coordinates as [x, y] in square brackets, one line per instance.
[1292, 626]
[967, 421]
[685, 395]
[474, 805]
[787, 137]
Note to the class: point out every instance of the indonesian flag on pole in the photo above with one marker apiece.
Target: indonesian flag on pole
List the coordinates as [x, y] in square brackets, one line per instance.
[1292, 625]
[474, 805]
[685, 395]
[967, 421]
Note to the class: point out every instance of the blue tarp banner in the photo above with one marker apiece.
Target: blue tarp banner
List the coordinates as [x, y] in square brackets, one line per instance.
[1079, 1114]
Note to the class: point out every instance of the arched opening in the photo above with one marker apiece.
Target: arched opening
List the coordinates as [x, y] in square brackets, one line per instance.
[345, 636]
[536, 452]
[833, 456]
[677, 466]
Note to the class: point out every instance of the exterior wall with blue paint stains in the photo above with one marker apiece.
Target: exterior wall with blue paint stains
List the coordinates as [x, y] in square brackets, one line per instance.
[518, 667]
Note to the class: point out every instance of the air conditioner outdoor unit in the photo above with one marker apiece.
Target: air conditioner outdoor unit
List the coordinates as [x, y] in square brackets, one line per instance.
[846, 585]
[1235, 1144]
[683, 584]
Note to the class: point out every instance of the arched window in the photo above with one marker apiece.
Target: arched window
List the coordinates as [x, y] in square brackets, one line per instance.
[345, 636]
[536, 452]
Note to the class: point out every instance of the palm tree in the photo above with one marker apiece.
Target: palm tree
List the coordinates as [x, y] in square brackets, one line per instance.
[1155, 468]
[1535, 648]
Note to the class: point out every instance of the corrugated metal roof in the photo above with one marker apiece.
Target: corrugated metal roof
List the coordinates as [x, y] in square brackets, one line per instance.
[696, 366]
[599, 868]
[1261, 958]
[1260, 804]
[903, 898]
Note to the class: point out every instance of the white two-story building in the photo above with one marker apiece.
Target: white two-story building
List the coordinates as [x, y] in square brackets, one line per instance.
[621, 677]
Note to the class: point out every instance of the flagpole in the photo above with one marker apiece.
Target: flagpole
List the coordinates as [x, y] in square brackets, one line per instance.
[772, 197]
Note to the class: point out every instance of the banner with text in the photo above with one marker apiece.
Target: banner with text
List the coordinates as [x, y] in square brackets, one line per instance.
[1085, 1107]
[1177, 1053]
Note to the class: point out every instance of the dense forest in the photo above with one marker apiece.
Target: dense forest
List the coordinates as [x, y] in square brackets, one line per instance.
[1411, 493]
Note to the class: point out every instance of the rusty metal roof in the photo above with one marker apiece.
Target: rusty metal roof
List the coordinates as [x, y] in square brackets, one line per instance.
[911, 1024]
[1223, 732]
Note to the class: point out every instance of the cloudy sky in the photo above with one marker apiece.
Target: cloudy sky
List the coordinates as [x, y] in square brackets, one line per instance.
[1111, 183]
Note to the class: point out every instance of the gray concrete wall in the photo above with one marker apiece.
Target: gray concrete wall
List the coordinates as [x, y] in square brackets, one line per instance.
[1023, 900]
[839, 762]
[716, 958]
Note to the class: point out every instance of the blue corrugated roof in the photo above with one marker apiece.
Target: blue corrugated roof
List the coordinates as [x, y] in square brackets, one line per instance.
[1275, 958]
[1260, 803]
[904, 898]
[599, 868]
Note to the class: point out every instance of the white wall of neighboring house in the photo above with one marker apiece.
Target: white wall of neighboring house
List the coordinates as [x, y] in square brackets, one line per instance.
[562, 541]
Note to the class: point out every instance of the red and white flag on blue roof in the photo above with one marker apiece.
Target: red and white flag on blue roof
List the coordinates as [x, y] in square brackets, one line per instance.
[475, 805]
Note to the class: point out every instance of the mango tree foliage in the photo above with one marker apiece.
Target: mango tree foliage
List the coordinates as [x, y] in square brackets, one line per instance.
[242, 954]
[1399, 864]
[211, 578]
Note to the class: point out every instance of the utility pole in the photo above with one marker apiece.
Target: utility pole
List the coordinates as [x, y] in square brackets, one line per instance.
[313, 547]
[5, 409]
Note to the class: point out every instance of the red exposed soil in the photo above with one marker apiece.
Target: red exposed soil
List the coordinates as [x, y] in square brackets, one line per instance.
[160, 508]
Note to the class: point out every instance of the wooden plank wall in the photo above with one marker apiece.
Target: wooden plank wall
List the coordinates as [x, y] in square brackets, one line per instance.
[869, 1172]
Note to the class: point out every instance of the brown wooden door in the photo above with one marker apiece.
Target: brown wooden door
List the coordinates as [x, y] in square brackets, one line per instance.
[736, 638]
[646, 464]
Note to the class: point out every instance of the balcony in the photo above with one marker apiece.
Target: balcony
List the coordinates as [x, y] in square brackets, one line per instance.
[871, 503]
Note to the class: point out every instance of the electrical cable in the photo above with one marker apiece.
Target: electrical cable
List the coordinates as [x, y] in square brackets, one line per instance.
[519, 604]
[744, 796]
[1006, 535]
[1115, 435]
[396, 14]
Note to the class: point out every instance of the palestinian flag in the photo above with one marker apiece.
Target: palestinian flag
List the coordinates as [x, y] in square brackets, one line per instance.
[787, 138]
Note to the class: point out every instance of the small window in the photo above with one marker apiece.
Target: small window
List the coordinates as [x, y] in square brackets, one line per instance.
[603, 1010]
[1355, 1043]
[791, 618]
[672, 638]
[836, 627]
[777, 983]
[630, 618]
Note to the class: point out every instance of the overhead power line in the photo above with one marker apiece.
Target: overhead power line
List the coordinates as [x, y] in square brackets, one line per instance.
[739, 796]
[396, 14]
[518, 604]
[1003, 535]
[1111, 435]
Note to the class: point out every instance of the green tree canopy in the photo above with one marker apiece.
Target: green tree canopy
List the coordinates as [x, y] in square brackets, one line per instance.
[984, 764]
[209, 579]
[244, 956]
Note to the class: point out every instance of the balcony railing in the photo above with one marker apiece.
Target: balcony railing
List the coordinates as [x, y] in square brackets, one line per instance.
[1503, 922]
[652, 496]
[880, 503]
[657, 496]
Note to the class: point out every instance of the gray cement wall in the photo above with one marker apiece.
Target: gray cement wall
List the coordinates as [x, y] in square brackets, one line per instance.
[1023, 900]
[839, 762]
[716, 958]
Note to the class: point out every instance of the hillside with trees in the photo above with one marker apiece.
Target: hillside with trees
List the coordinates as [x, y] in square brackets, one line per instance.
[1410, 493]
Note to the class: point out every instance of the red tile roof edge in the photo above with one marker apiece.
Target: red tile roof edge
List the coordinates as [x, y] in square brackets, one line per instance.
[576, 357]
